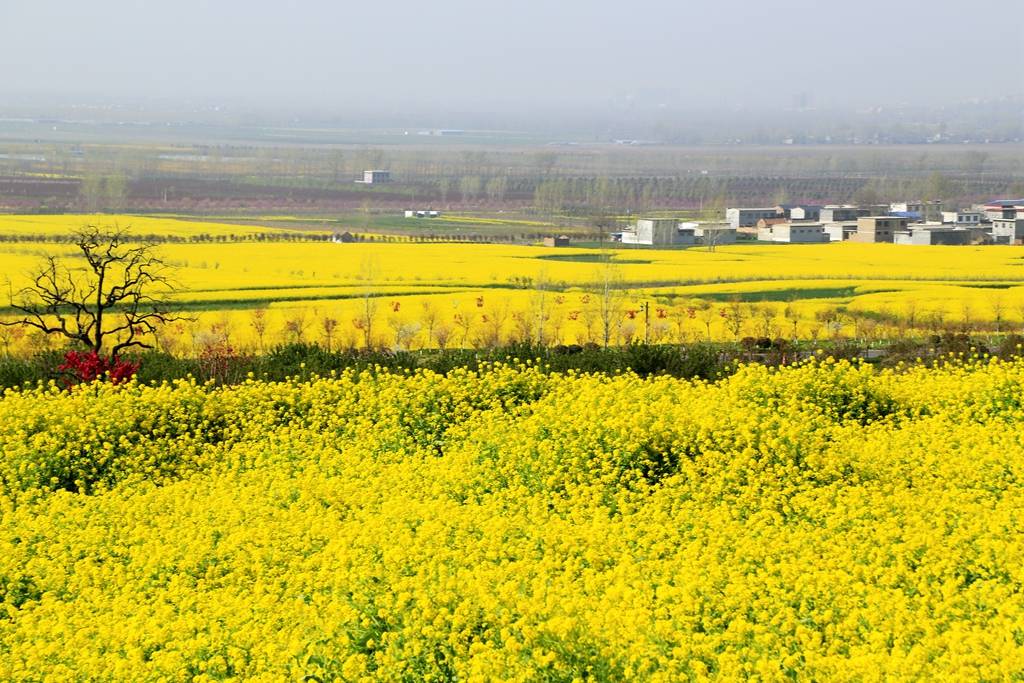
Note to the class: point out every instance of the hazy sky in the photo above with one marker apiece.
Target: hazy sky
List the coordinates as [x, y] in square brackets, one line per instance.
[527, 53]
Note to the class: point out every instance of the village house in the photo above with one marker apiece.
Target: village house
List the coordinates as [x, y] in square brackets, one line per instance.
[1003, 208]
[834, 213]
[963, 217]
[768, 222]
[878, 228]
[841, 231]
[657, 231]
[793, 233]
[1008, 230]
[926, 234]
[375, 177]
[799, 212]
[711, 233]
[748, 217]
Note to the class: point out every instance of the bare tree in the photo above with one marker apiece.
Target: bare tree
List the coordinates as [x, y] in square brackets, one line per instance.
[465, 323]
[539, 307]
[327, 326]
[442, 335]
[91, 191]
[608, 297]
[712, 212]
[767, 313]
[494, 325]
[998, 312]
[792, 315]
[115, 300]
[295, 326]
[428, 319]
[707, 316]
[735, 316]
[258, 322]
[367, 312]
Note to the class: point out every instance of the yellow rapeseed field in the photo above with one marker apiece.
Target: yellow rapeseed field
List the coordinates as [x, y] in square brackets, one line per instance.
[405, 294]
[64, 224]
[821, 522]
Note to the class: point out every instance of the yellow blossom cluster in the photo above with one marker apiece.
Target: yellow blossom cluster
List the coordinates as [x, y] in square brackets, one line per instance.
[827, 521]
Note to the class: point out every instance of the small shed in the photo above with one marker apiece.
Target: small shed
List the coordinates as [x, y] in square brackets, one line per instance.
[344, 237]
[560, 241]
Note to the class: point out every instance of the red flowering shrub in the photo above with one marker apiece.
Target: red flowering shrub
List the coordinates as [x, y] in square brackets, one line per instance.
[84, 367]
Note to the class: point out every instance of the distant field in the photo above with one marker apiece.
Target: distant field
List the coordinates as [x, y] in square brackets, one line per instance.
[428, 294]
[488, 224]
[64, 224]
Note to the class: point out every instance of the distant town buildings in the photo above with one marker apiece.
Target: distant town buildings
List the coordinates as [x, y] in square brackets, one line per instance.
[911, 222]
[1000, 221]
[442, 131]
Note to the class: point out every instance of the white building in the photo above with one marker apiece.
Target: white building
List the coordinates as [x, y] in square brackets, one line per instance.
[711, 233]
[793, 233]
[930, 233]
[840, 231]
[835, 213]
[1007, 230]
[923, 210]
[429, 213]
[907, 207]
[808, 212]
[658, 231]
[963, 217]
[373, 177]
[745, 218]
[1002, 208]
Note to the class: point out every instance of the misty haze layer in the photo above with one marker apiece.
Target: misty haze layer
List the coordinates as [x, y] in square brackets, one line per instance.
[474, 55]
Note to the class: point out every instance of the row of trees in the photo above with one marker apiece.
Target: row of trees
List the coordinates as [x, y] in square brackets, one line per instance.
[552, 319]
[556, 183]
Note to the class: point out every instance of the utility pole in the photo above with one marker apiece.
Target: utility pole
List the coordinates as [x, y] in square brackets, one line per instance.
[647, 321]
